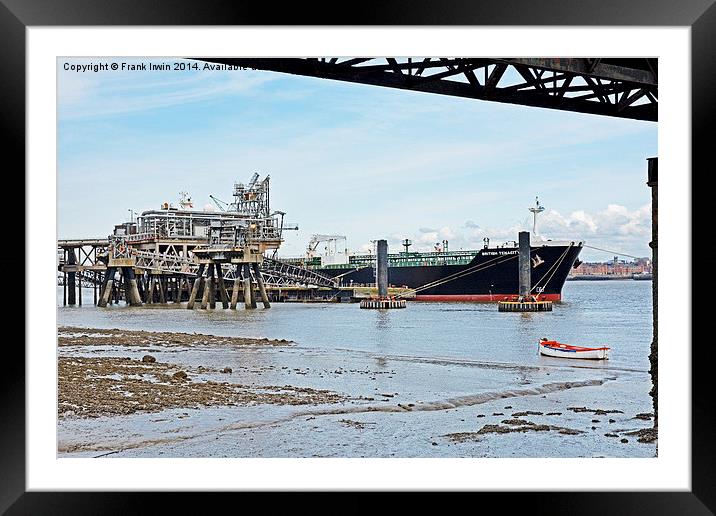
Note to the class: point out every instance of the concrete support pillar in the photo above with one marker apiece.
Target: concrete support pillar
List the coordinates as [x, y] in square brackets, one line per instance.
[249, 301]
[262, 287]
[235, 291]
[222, 287]
[152, 288]
[653, 174]
[80, 276]
[131, 291]
[118, 284]
[382, 270]
[198, 282]
[212, 286]
[64, 288]
[208, 287]
[107, 287]
[162, 289]
[525, 270]
[178, 289]
[145, 287]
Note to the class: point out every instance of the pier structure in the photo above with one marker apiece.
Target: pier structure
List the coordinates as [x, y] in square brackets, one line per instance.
[168, 276]
[525, 302]
[80, 265]
[175, 255]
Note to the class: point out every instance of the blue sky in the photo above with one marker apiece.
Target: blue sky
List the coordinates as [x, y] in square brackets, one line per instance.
[363, 161]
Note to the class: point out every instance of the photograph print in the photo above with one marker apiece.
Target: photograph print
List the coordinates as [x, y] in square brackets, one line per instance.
[394, 257]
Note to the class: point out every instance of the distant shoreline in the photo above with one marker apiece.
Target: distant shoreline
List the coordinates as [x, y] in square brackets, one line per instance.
[595, 277]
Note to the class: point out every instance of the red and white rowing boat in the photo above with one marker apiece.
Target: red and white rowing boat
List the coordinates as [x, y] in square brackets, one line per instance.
[552, 348]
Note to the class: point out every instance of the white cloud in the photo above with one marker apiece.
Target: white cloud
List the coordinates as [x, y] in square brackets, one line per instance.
[616, 227]
[616, 221]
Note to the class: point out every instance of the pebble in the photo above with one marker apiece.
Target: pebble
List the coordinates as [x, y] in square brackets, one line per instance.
[149, 359]
[227, 370]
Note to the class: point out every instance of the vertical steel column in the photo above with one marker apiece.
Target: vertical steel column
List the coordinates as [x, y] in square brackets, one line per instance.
[653, 173]
[382, 268]
[71, 286]
[524, 264]
[64, 288]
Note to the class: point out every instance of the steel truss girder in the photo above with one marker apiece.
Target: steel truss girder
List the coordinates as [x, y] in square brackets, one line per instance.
[273, 272]
[624, 88]
[296, 274]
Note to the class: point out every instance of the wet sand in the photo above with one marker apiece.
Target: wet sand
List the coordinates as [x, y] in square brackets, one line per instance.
[141, 393]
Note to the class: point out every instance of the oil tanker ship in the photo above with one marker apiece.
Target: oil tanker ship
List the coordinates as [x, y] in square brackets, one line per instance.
[487, 274]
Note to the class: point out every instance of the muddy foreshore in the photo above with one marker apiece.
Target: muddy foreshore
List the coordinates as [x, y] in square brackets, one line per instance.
[212, 390]
[111, 386]
[76, 336]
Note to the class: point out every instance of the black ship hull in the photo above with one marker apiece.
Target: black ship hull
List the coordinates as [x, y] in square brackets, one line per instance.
[492, 275]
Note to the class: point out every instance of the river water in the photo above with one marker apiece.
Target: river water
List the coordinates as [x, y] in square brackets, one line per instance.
[458, 366]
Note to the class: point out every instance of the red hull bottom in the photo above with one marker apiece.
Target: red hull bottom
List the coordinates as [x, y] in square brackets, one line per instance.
[481, 298]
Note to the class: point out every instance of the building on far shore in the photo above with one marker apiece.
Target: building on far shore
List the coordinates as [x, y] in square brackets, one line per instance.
[613, 269]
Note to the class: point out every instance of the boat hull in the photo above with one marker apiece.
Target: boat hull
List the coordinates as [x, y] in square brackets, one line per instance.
[552, 350]
[491, 276]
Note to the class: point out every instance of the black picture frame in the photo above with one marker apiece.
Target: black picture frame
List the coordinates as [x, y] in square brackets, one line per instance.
[700, 15]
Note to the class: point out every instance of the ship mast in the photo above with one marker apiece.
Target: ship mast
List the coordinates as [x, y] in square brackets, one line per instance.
[538, 208]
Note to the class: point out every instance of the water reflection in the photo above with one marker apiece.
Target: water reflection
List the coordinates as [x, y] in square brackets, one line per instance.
[382, 321]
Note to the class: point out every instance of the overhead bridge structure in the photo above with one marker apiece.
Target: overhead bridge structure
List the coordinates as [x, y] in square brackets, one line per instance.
[617, 87]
